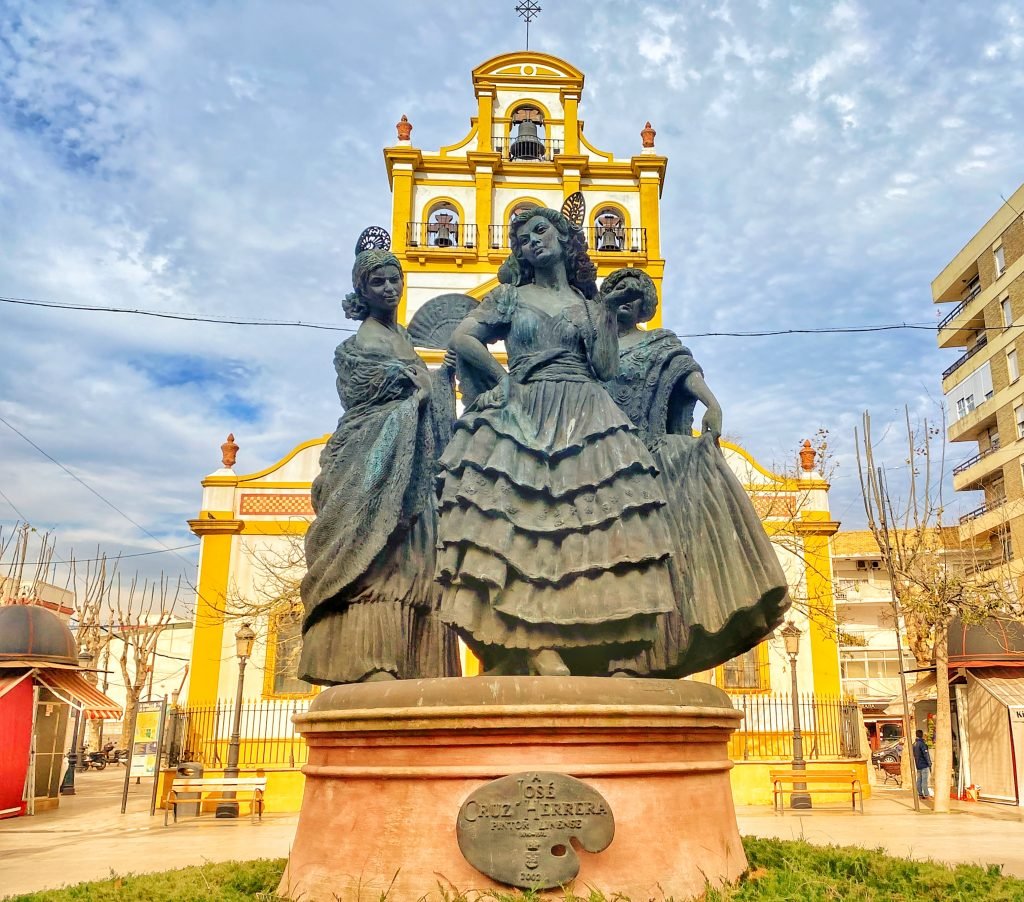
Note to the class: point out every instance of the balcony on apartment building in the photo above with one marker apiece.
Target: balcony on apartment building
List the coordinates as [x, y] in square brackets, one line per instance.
[992, 516]
[973, 421]
[966, 317]
[979, 346]
[970, 474]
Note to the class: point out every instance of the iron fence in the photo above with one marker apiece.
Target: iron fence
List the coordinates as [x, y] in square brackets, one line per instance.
[829, 727]
[267, 736]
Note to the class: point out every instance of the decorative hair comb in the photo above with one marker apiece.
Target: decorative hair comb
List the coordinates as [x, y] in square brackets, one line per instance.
[375, 238]
[574, 208]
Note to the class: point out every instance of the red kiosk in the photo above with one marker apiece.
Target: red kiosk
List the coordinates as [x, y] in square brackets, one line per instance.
[40, 685]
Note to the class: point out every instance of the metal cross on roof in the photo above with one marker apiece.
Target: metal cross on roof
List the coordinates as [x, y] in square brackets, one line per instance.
[528, 10]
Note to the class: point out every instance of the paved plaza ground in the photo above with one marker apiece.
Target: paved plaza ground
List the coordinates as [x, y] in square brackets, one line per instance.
[88, 838]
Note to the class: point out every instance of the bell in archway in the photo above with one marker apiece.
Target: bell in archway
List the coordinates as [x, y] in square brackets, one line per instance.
[527, 144]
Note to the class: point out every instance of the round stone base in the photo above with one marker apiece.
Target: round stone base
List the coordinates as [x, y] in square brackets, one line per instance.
[391, 764]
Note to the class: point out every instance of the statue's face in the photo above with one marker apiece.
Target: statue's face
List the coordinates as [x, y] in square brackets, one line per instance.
[538, 242]
[384, 289]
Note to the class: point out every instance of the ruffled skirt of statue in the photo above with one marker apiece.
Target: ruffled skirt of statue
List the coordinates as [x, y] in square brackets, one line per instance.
[552, 526]
[388, 621]
[731, 590]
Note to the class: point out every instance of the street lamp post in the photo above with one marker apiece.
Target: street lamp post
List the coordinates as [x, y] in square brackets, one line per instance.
[244, 640]
[800, 798]
[76, 754]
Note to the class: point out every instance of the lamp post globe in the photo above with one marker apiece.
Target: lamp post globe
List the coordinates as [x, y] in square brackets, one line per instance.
[245, 638]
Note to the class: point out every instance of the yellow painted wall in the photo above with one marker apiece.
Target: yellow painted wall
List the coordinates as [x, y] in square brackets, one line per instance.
[751, 783]
[283, 793]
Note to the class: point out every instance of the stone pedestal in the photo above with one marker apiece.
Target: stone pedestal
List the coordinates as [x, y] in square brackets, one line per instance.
[390, 765]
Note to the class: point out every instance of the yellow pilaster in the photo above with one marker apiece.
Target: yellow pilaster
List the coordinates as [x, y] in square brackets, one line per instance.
[402, 162]
[571, 105]
[215, 530]
[650, 173]
[485, 120]
[821, 613]
[483, 164]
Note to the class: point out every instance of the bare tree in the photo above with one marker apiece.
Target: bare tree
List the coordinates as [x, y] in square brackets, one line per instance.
[273, 605]
[138, 616]
[20, 575]
[929, 567]
[91, 594]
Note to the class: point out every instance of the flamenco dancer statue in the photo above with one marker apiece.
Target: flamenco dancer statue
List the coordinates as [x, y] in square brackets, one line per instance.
[371, 602]
[554, 541]
[729, 587]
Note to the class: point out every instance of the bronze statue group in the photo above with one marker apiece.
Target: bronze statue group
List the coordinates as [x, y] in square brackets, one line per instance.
[569, 522]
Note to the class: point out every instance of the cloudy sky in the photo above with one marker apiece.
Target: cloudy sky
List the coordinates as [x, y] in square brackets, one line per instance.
[215, 158]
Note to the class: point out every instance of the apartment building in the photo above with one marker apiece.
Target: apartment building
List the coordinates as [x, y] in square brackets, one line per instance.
[983, 389]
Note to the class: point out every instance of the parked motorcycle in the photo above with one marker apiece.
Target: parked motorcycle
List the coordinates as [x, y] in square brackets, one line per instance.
[97, 760]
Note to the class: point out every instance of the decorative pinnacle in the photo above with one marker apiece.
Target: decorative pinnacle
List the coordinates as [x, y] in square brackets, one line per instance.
[404, 128]
[807, 455]
[647, 135]
[229, 451]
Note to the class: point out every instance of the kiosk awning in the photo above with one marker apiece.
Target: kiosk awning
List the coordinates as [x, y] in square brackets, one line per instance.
[78, 692]
[1005, 683]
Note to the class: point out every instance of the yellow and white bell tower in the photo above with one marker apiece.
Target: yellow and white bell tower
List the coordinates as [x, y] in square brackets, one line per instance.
[451, 208]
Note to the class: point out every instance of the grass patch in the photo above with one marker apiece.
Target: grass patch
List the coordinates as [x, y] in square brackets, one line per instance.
[780, 871]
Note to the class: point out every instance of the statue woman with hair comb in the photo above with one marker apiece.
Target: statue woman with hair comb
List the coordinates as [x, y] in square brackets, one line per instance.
[729, 586]
[369, 593]
[553, 539]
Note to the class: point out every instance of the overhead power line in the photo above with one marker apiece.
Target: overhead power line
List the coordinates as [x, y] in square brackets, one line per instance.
[111, 559]
[89, 488]
[298, 324]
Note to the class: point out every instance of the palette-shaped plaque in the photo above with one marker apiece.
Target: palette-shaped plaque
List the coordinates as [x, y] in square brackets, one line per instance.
[520, 829]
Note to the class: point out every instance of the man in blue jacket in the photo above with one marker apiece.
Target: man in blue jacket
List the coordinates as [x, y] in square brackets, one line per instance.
[923, 763]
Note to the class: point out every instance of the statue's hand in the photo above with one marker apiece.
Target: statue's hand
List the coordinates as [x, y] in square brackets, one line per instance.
[450, 359]
[712, 422]
[626, 292]
[493, 397]
[421, 379]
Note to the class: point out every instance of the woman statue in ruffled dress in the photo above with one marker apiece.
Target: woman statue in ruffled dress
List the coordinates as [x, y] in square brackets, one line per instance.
[729, 585]
[371, 602]
[553, 536]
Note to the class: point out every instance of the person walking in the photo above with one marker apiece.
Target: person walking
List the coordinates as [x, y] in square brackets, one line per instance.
[923, 764]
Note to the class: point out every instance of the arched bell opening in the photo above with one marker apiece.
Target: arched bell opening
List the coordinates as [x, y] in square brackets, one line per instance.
[609, 230]
[443, 225]
[527, 134]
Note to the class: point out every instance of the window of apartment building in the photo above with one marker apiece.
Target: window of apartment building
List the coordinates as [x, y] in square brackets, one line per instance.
[1005, 545]
[1011, 365]
[973, 288]
[992, 433]
[1000, 260]
[865, 664]
[1004, 306]
[975, 389]
[1018, 416]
